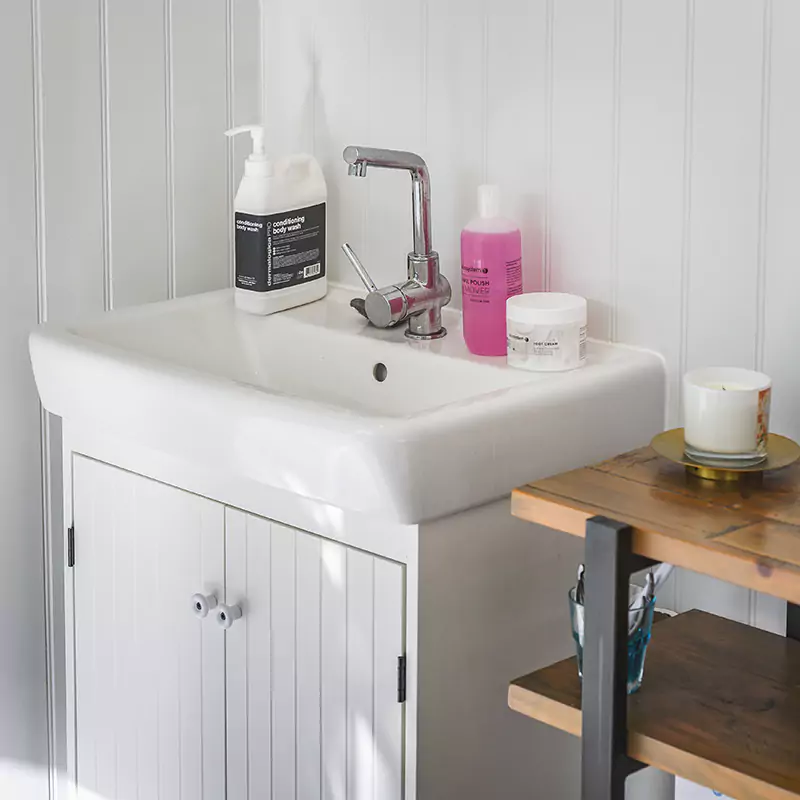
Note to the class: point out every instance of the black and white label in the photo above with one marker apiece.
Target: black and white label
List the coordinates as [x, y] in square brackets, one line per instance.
[276, 251]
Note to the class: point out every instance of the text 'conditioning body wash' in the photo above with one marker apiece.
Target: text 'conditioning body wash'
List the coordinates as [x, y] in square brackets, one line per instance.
[279, 213]
[491, 272]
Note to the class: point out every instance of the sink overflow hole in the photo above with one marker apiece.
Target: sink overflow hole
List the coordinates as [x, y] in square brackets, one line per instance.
[379, 372]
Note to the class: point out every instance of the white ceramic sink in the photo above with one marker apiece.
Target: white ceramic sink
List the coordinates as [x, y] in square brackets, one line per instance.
[291, 401]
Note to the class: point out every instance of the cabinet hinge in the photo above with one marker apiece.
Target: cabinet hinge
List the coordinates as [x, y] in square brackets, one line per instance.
[71, 546]
[401, 679]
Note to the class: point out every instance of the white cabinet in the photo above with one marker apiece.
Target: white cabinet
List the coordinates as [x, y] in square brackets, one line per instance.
[297, 699]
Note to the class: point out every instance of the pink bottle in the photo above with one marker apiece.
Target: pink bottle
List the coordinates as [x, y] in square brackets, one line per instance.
[491, 272]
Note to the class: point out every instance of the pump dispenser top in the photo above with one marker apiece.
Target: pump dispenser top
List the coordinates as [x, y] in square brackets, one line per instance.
[257, 164]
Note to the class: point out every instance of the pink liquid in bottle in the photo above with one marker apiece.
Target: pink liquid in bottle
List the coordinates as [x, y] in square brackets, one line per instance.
[491, 272]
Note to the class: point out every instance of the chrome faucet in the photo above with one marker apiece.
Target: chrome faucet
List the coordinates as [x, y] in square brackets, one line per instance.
[418, 299]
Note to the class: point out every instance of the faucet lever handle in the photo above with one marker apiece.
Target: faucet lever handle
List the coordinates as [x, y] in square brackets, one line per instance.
[360, 269]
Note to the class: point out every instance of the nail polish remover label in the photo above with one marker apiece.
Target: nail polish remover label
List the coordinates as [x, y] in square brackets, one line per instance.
[277, 251]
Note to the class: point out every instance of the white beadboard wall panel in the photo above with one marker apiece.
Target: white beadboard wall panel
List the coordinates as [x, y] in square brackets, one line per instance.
[137, 152]
[199, 93]
[778, 354]
[88, 200]
[340, 117]
[780, 254]
[650, 221]
[517, 90]
[289, 74]
[726, 182]
[456, 133]
[723, 235]
[245, 83]
[583, 169]
[23, 723]
[399, 124]
[74, 144]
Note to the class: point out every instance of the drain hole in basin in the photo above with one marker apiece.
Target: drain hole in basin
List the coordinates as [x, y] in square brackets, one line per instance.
[379, 372]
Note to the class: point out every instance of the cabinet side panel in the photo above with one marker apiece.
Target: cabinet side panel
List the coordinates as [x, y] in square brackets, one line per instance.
[334, 675]
[360, 677]
[388, 645]
[284, 605]
[308, 667]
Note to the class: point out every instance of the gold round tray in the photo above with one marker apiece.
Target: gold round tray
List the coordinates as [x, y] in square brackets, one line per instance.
[781, 452]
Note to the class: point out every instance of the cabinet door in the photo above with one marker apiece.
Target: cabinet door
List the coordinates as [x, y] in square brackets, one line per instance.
[312, 667]
[149, 675]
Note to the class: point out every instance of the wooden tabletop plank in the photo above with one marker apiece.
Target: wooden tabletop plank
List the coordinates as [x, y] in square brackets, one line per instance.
[720, 705]
[746, 534]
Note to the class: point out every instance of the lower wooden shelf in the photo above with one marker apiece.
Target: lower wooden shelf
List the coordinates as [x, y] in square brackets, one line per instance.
[720, 705]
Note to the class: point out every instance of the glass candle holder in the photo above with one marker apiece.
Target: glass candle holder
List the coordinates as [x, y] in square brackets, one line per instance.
[640, 623]
[726, 415]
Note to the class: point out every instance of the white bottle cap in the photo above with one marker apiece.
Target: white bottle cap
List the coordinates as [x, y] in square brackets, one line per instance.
[257, 163]
[547, 308]
[489, 201]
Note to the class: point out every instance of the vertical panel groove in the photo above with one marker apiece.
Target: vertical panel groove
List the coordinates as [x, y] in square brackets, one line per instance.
[105, 154]
[225, 647]
[686, 254]
[230, 89]
[246, 647]
[763, 200]
[548, 183]
[169, 142]
[615, 167]
[202, 708]
[38, 158]
[365, 209]
[321, 684]
[296, 680]
[424, 70]
[346, 589]
[763, 217]
[375, 753]
[271, 666]
[485, 92]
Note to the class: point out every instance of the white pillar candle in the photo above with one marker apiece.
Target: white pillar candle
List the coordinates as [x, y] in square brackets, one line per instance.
[726, 411]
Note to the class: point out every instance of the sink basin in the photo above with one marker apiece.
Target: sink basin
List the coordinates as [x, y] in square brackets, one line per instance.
[315, 402]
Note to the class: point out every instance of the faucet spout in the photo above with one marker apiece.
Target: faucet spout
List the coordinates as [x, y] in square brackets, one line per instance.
[358, 158]
[357, 170]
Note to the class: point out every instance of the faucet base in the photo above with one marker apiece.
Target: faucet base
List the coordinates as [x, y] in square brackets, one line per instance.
[425, 336]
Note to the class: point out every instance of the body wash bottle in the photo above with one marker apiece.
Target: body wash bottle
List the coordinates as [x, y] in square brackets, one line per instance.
[491, 272]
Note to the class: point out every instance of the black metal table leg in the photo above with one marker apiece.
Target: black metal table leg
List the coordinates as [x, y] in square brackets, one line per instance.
[793, 621]
[609, 562]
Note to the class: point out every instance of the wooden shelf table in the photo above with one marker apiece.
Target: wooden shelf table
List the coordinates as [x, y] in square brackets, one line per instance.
[720, 702]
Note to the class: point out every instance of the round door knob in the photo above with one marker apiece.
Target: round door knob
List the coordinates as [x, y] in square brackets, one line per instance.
[202, 604]
[227, 615]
